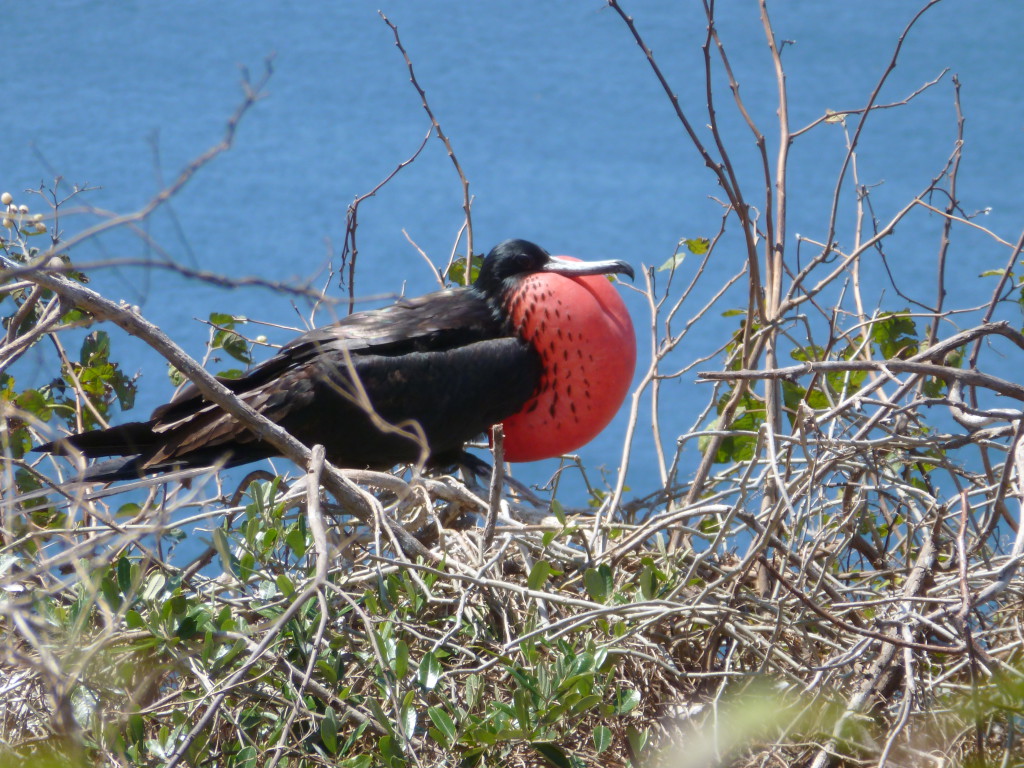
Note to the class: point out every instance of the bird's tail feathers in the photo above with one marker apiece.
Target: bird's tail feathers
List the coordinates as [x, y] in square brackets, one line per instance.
[124, 440]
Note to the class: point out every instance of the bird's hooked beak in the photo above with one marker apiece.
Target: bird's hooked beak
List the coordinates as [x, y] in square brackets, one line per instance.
[561, 265]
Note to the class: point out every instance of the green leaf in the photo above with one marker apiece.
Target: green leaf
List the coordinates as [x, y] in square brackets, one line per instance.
[220, 544]
[748, 418]
[329, 731]
[285, 584]
[895, 334]
[129, 509]
[558, 511]
[187, 627]
[698, 246]
[648, 582]
[585, 704]
[124, 575]
[709, 526]
[602, 738]
[429, 671]
[457, 271]
[226, 321]
[539, 574]
[232, 343]
[598, 582]
[626, 700]
[808, 353]
[154, 586]
[390, 751]
[177, 377]
[409, 714]
[933, 387]
[246, 758]
[673, 261]
[74, 316]
[793, 395]
[444, 724]
[401, 662]
[637, 741]
[35, 402]
[95, 349]
[125, 390]
[522, 706]
[110, 592]
[595, 585]
[474, 690]
[359, 761]
[552, 754]
[136, 728]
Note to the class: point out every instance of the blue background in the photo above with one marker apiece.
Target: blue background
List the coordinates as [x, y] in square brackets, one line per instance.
[554, 115]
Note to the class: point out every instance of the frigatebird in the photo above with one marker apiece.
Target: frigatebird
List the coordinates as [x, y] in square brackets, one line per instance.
[540, 343]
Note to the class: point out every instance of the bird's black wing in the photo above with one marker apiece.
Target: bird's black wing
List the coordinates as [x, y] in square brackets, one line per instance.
[435, 322]
[308, 388]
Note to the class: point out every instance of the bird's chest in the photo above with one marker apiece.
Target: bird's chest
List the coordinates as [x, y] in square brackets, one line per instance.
[544, 317]
[582, 333]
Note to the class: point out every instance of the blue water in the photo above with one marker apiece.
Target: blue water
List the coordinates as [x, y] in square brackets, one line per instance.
[564, 134]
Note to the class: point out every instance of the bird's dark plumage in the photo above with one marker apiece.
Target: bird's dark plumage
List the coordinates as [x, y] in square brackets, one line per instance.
[412, 381]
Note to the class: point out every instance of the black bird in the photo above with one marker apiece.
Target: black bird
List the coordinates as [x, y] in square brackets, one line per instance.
[533, 342]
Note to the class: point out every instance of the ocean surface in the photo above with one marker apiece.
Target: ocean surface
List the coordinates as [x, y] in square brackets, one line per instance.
[553, 113]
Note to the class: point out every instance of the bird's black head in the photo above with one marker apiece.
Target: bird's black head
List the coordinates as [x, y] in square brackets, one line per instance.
[508, 260]
[517, 258]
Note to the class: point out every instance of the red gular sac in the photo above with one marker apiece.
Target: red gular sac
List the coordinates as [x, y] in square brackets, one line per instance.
[584, 335]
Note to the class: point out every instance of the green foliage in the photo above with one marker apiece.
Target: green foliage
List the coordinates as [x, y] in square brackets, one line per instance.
[747, 419]
[101, 380]
[407, 685]
[457, 271]
[83, 391]
[225, 337]
[891, 335]
[894, 335]
[697, 246]
[598, 582]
